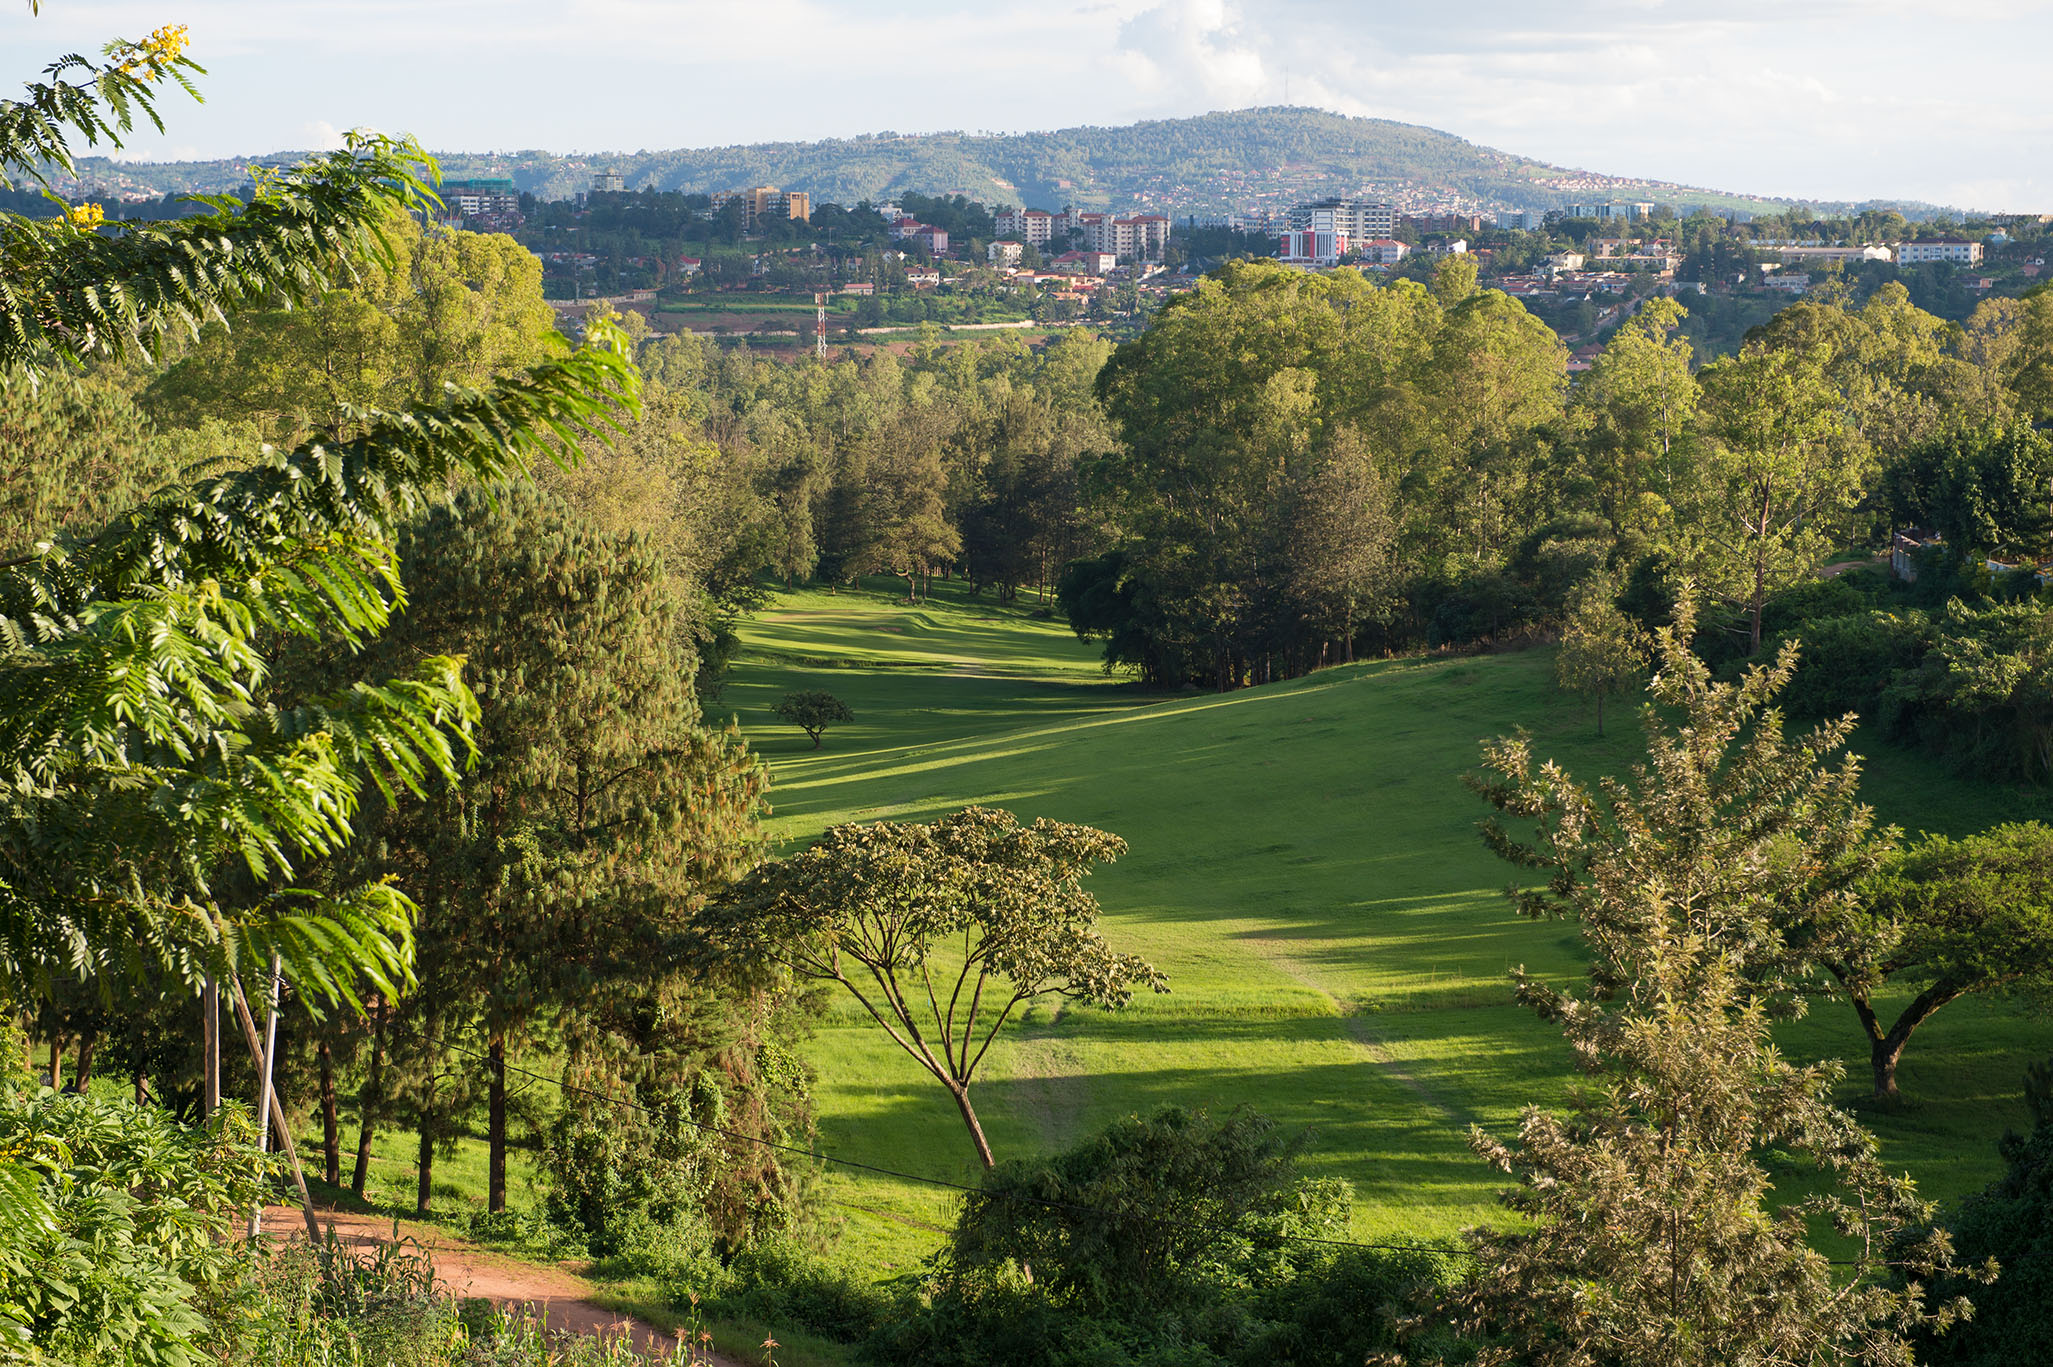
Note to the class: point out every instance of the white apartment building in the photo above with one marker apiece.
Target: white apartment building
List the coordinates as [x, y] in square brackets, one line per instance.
[1383, 251]
[1354, 218]
[1955, 250]
[1005, 253]
[1142, 237]
[1847, 254]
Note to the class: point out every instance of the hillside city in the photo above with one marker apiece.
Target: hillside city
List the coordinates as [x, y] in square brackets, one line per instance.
[881, 268]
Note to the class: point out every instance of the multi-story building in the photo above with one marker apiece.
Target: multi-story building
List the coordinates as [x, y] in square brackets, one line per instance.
[1521, 220]
[926, 235]
[1354, 218]
[766, 201]
[1956, 250]
[1005, 253]
[1614, 210]
[608, 182]
[1850, 255]
[1142, 237]
[1383, 251]
[471, 198]
[1312, 247]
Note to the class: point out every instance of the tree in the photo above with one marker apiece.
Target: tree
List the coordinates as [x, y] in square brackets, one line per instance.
[602, 811]
[1640, 398]
[1985, 490]
[1603, 651]
[1773, 490]
[2007, 1223]
[1341, 530]
[813, 711]
[1652, 1235]
[157, 810]
[917, 921]
[1949, 918]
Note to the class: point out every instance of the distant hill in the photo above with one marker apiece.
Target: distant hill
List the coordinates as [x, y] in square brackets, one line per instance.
[1213, 163]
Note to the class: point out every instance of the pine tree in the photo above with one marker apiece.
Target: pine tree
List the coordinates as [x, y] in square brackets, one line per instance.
[1658, 1230]
[602, 810]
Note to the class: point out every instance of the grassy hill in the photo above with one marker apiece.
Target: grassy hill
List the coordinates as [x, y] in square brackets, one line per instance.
[1304, 867]
[1210, 163]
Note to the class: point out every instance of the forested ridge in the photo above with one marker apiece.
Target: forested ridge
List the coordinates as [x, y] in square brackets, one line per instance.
[1211, 163]
[371, 788]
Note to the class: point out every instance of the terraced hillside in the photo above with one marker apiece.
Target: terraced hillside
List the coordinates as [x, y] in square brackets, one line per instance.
[1305, 869]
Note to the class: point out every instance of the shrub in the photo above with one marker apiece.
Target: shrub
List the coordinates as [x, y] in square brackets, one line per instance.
[2012, 1222]
[115, 1245]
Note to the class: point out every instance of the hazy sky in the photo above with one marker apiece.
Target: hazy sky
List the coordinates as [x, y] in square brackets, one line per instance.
[1944, 100]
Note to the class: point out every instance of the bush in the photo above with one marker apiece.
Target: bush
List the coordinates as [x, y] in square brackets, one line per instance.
[116, 1238]
[1172, 1239]
[2012, 1222]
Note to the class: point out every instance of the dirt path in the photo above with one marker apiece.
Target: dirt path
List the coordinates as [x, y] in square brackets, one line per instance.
[464, 1269]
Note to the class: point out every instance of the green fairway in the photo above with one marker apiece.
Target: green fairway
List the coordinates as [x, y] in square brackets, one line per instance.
[1303, 866]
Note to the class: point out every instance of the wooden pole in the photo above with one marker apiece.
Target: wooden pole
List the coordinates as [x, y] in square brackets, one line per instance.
[256, 1215]
[256, 1053]
[210, 1050]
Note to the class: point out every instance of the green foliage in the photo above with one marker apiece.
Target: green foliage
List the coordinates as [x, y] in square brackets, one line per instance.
[2012, 1224]
[116, 1246]
[1163, 1212]
[813, 711]
[1984, 490]
[1974, 685]
[880, 909]
[1700, 886]
[1602, 651]
[158, 804]
[1946, 918]
[1174, 1237]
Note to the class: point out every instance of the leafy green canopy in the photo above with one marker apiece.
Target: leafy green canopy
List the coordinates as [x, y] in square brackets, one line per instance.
[156, 802]
[919, 922]
[1660, 1229]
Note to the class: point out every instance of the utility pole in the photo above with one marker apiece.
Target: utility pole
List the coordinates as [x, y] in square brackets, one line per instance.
[820, 325]
[210, 1050]
[264, 1093]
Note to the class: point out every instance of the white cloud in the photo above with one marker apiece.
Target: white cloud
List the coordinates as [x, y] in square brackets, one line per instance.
[1180, 50]
[320, 136]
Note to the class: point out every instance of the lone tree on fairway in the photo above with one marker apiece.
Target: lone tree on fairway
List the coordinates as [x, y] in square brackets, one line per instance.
[1949, 918]
[1653, 1234]
[1603, 651]
[813, 711]
[919, 922]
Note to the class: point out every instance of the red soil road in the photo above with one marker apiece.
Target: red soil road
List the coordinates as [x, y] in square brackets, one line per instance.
[464, 1269]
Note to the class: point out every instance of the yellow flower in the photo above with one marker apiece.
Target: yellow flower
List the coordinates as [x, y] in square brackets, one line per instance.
[156, 52]
[88, 215]
[169, 42]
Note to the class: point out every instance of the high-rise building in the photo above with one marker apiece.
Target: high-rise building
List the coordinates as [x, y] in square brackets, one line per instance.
[608, 182]
[481, 196]
[766, 201]
[1358, 219]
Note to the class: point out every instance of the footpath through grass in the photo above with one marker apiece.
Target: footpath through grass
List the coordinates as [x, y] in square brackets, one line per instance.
[1304, 867]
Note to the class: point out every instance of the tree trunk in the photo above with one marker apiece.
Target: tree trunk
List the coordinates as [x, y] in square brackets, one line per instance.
[424, 1189]
[56, 1061]
[373, 1098]
[1885, 1048]
[331, 1123]
[976, 1131]
[82, 1071]
[495, 1180]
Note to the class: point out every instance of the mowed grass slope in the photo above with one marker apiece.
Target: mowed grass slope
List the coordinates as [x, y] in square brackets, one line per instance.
[1304, 866]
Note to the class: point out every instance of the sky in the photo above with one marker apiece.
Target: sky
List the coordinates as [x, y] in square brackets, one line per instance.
[1945, 101]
